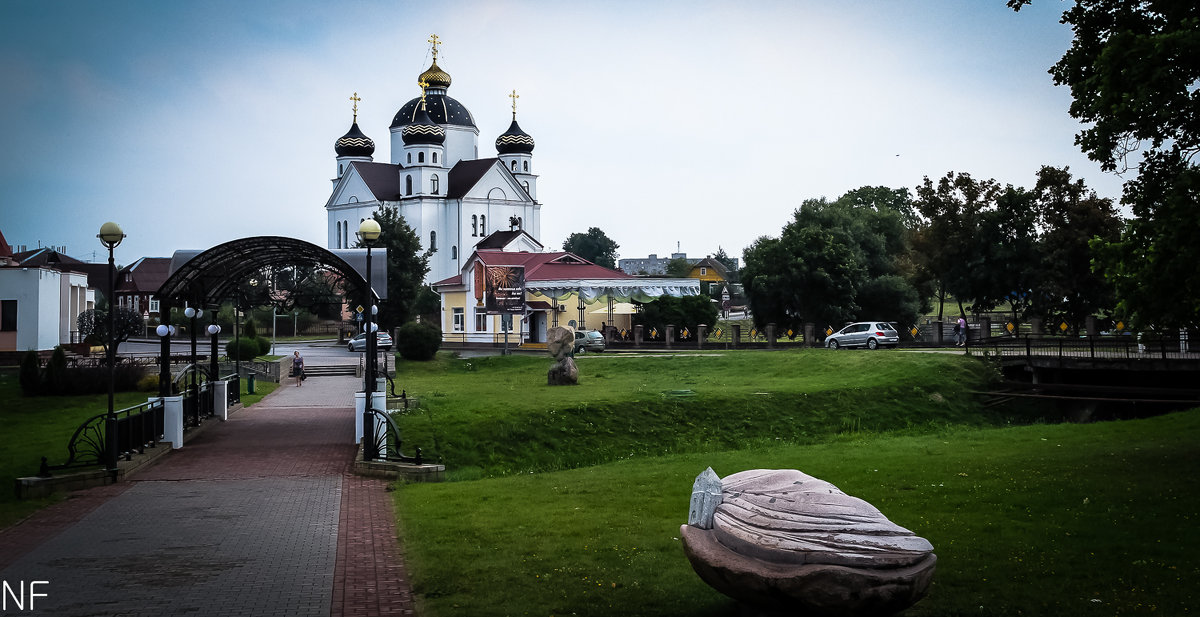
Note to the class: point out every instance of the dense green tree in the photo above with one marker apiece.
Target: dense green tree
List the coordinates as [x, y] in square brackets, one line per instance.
[687, 311]
[93, 323]
[725, 260]
[407, 264]
[1135, 88]
[946, 239]
[834, 262]
[593, 246]
[678, 268]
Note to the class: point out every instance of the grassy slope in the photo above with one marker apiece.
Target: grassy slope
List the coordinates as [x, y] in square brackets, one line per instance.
[42, 426]
[496, 416]
[1036, 520]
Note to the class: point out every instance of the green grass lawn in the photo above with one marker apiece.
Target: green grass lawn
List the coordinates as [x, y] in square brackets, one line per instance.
[496, 416]
[1036, 520]
[1026, 520]
[42, 426]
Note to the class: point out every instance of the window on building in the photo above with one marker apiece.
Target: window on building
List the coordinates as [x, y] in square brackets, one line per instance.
[456, 319]
[482, 225]
[338, 237]
[526, 166]
[435, 157]
[526, 184]
[474, 225]
[514, 165]
[433, 184]
[410, 157]
[703, 271]
[346, 234]
[8, 315]
[481, 322]
[520, 223]
[433, 241]
[420, 157]
[454, 252]
[153, 305]
[339, 170]
[408, 185]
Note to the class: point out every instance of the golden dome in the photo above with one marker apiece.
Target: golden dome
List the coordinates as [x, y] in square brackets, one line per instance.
[435, 77]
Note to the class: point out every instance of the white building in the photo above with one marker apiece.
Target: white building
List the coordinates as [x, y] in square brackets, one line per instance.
[39, 305]
[445, 192]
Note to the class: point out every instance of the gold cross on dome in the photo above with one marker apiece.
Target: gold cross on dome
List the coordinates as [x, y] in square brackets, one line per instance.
[433, 39]
[424, 84]
[356, 100]
[514, 96]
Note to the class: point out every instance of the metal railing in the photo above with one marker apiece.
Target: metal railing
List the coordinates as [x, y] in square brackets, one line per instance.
[233, 390]
[1113, 347]
[387, 442]
[137, 428]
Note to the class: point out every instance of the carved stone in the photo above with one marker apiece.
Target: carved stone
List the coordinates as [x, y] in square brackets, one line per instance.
[560, 342]
[784, 541]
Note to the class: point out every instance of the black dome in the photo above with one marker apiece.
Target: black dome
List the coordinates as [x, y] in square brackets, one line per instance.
[422, 130]
[442, 110]
[514, 140]
[354, 143]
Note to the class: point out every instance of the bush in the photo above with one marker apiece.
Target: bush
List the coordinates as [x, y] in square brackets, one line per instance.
[249, 330]
[264, 345]
[31, 374]
[149, 383]
[56, 372]
[418, 341]
[241, 349]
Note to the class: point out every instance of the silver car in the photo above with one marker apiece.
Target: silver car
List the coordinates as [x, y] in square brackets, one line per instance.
[359, 343]
[869, 334]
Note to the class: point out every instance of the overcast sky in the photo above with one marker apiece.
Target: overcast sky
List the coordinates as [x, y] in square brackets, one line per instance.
[702, 123]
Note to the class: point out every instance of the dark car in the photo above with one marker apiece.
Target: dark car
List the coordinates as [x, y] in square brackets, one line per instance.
[359, 343]
[869, 334]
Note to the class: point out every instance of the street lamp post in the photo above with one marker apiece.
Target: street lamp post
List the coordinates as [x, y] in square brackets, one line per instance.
[193, 314]
[110, 236]
[368, 232]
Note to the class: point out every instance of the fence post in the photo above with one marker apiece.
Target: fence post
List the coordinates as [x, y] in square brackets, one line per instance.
[221, 399]
[810, 334]
[939, 336]
[173, 421]
[670, 335]
[736, 333]
[770, 336]
[1035, 326]
[637, 335]
[985, 328]
[701, 332]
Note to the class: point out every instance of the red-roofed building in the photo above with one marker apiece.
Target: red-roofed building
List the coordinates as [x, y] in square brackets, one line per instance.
[560, 289]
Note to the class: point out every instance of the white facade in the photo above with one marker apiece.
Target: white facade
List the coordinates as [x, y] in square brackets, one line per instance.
[48, 304]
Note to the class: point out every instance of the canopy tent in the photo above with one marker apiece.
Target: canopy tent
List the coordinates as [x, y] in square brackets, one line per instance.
[619, 290]
[618, 308]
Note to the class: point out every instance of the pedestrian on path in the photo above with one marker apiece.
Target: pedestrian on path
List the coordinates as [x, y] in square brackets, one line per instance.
[960, 332]
[298, 367]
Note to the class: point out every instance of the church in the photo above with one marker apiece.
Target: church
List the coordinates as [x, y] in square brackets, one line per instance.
[452, 198]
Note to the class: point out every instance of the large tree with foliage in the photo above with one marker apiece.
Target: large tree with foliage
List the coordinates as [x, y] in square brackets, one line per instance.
[1135, 84]
[407, 264]
[833, 262]
[593, 246]
[687, 311]
[93, 324]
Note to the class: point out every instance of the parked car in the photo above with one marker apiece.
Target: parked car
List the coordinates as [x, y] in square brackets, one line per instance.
[869, 334]
[589, 340]
[359, 343]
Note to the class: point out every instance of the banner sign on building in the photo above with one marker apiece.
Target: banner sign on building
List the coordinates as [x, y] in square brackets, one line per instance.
[505, 289]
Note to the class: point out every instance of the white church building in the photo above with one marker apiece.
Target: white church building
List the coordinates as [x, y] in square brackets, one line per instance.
[436, 180]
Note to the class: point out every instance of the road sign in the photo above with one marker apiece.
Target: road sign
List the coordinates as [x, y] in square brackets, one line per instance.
[914, 331]
[1063, 326]
[359, 309]
[653, 332]
[1010, 327]
[1120, 325]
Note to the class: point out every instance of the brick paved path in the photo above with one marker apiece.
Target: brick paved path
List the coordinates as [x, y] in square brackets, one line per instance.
[256, 516]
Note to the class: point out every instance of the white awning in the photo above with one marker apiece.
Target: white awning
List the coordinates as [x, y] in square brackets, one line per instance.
[620, 290]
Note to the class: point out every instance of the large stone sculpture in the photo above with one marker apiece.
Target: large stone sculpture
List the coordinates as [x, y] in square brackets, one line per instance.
[784, 541]
[560, 342]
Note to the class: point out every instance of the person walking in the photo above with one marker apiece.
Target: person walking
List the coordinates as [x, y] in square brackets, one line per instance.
[960, 332]
[298, 368]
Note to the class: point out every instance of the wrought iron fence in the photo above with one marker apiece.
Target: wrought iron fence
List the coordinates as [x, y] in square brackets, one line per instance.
[1127, 346]
[233, 390]
[387, 442]
[136, 428]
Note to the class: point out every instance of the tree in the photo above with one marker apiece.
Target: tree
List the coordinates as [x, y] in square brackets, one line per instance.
[678, 268]
[94, 323]
[406, 266]
[1134, 89]
[946, 239]
[687, 311]
[833, 262]
[593, 246]
[730, 265]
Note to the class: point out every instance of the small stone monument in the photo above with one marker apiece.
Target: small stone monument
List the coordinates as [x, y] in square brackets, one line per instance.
[785, 542]
[560, 342]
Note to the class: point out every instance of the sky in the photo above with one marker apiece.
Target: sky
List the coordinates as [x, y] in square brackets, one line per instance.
[669, 125]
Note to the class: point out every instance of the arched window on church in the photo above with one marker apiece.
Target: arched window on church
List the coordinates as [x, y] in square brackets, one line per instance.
[474, 225]
[514, 165]
[482, 225]
[410, 158]
[526, 166]
[408, 185]
[526, 184]
[420, 157]
[339, 170]
[435, 157]
[346, 234]
[454, 252]
[433, 184]
[338, 237]
[520, 223]
[433, 241]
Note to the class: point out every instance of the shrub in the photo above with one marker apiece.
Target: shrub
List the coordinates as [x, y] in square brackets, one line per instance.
[56, 372]
[264, 345]
[418, 340]
[149, 383]
[31, 374]
[249, 330]
[241, 349]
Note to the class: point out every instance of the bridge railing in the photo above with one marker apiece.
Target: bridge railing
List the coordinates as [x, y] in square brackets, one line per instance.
[136, 428]
[1148, 345]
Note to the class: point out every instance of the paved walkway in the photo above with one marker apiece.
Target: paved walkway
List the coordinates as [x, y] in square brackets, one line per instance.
[257, 516]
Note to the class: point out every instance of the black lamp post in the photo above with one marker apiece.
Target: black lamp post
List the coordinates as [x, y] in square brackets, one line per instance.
[193, 314]
[213, 367]
[368, 232]
[110, 236]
